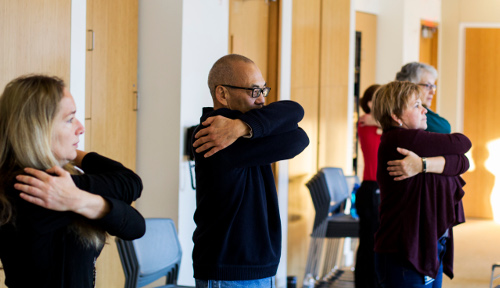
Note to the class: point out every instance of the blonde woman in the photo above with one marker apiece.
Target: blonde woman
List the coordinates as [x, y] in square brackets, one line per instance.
[54, 219]
[414, 243]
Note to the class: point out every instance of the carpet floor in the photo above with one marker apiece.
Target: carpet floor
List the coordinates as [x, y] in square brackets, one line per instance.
[477, 247]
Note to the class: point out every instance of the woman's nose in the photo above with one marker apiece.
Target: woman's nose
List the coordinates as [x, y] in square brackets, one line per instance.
[80, 129]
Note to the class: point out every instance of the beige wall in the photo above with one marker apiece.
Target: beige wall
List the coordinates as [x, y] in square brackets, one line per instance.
[455, 13]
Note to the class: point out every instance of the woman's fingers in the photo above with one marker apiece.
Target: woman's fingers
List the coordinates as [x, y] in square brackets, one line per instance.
[30, 180]
[29, 189]
[33, 199]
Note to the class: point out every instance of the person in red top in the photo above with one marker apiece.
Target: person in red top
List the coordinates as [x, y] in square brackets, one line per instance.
[414, 243]
[367, 196]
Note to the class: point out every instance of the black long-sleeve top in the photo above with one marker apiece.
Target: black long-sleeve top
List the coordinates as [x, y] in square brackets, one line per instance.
[416, 211]
[238, 233]
[39, 248]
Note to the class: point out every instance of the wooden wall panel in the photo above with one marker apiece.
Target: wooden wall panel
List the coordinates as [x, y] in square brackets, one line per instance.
[254, 33]
[112, 100]
[367, 24]
[35, 38]
[249, 30]
[334, 77]
[113, 79]
[320, 67]
[481, 118]
[304, 90]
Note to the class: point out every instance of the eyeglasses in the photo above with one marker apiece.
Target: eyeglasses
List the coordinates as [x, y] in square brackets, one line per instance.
[256, 91]
[428, 86]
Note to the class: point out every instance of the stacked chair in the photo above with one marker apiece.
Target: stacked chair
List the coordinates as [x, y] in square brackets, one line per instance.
[493, 276]
[157, 254]
[325, 267]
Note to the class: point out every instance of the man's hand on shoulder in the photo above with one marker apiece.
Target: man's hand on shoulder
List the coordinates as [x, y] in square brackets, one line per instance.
[220, 132]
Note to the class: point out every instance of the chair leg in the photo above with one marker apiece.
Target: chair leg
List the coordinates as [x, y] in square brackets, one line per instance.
[493, 274]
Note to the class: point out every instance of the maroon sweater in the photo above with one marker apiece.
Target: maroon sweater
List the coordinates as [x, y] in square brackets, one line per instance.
[415, 212]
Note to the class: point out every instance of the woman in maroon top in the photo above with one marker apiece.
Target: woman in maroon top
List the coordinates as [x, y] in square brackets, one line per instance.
[414, 243]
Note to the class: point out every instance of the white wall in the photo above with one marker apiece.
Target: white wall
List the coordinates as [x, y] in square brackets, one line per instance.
[398, 31]
[367, 6]
[158, 116]
[172, 89]
[389, 40]
[77, 61]
[205, 27]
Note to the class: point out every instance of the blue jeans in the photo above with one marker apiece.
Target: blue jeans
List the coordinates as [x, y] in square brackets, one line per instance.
[258, 283]
[393, 272]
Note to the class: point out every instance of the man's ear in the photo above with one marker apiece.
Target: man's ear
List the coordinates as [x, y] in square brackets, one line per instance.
[396, 119]
[221, 94]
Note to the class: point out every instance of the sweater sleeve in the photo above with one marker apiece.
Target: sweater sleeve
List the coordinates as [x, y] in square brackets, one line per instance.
[122, 220]
[107, 177]
[275, 118]
[119, 186]
[429, 144]
[277, 136]
[455, 165]
[265, 150]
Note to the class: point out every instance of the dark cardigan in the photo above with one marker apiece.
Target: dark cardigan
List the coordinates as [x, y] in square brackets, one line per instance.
[415, 212]
[238, 228]
[41, 250]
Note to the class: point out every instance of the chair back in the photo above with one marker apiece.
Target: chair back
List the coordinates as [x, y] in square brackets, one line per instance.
[158, 253]
[337, 185]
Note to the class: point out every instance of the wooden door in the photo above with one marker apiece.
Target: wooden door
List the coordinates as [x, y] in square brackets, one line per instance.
[481, 118]
[254, 33]
[304, 90]
[319, 77]
[111, 99]
[429, 48]
[366, 24]
[35, 38]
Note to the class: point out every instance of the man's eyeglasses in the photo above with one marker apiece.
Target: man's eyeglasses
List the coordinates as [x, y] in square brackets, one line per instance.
[256, 91]
[428, 86]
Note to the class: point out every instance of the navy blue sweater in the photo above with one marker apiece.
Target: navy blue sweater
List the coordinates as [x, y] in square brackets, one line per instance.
[238, 233]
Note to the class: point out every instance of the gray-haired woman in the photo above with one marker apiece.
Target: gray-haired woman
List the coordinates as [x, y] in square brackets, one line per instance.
[425, 75]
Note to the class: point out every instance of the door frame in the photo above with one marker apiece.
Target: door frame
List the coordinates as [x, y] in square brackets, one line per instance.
[461, 67]
[77, 68]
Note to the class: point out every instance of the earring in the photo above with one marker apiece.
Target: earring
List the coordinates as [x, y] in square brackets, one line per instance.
[400, 124]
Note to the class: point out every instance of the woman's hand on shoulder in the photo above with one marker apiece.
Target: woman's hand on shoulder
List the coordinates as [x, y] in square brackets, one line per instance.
[405, 168]
[54, 189]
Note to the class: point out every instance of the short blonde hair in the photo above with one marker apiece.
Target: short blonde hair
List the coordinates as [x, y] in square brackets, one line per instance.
[393, 98]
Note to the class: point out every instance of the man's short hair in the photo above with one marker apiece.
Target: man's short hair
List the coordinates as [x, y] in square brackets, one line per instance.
[222, 71]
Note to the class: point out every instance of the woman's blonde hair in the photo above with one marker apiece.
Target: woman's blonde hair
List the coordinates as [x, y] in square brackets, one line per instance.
[28, 106]
[393, 98]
